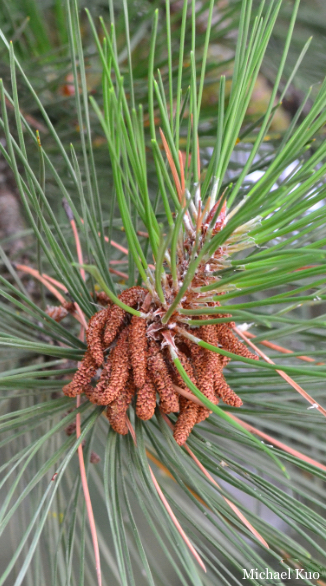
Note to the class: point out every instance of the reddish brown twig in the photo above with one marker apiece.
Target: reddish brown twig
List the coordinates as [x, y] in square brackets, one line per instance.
[88, 500]
[119, 273]
[46, 280]
[82, 469]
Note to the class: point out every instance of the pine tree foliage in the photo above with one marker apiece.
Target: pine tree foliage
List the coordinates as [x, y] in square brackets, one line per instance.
[81, 503]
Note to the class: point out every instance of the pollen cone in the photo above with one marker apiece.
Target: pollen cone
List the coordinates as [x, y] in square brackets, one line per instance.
[82, 376]
[138, 350]
[117, 410]
[169, 401]
[94, 335]
[146, 399]
[120, 364]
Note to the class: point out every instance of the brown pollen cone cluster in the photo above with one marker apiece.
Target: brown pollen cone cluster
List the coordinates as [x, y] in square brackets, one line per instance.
[131, 357]
[128, 358]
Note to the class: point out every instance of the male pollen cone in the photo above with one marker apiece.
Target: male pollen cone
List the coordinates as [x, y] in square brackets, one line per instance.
[198, 356]
[146, 399]
[188, 409]
[113, 325]
[211, 360]
[120, 369]
[94, 335]
[82, 376]
[225, 392]
[202, 414]
[187, 418]
[138, 350]
[102, 298]
[204, 377]
[169, 401]
[69, 306]
[131, 297]
[117, 410]
[98, 395]
[56, 312]
[230, 342]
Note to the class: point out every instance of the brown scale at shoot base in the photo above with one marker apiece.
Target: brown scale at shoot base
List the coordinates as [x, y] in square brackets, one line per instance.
[132, 355]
